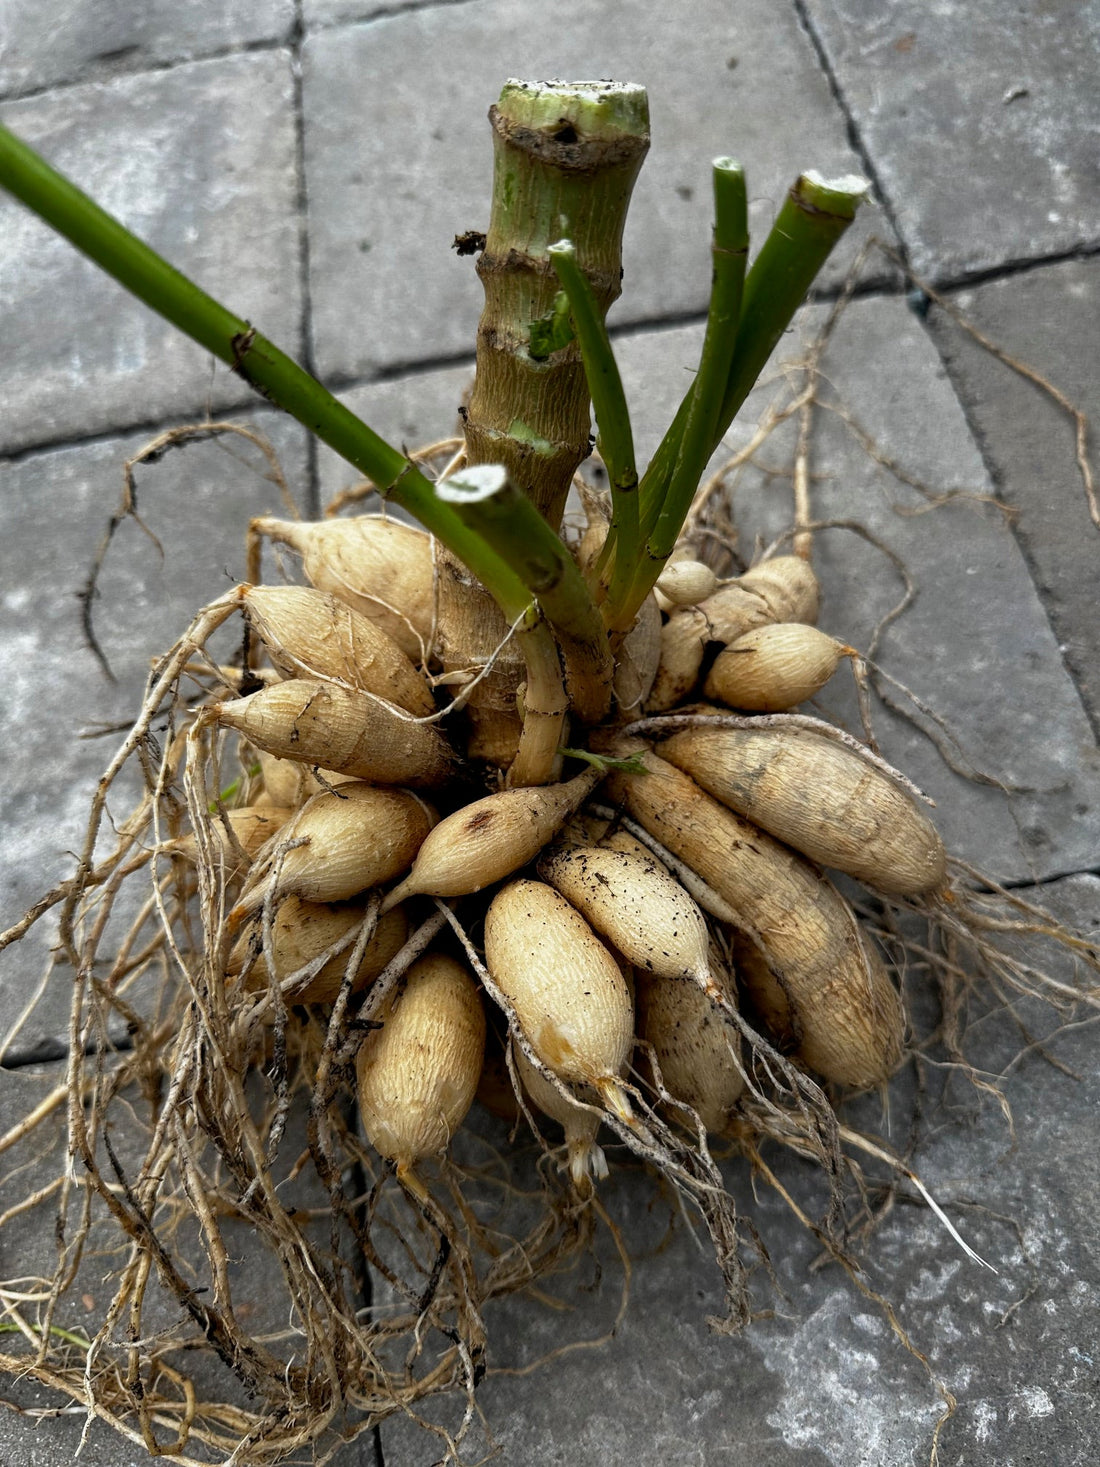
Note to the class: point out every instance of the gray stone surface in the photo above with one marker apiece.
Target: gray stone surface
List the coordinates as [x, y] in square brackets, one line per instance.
[1048, 319]
[46, 42]
[981, 118]
[42, 1426]
[199, 160]
[397, 155]
[826, 1383]
[317, 13]
[53, 515]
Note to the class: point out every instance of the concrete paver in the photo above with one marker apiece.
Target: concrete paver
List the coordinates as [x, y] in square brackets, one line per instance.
[398, 160]
[1048, 319]
[198, 160]
[53, 514]
[47, 42]
[981, 120]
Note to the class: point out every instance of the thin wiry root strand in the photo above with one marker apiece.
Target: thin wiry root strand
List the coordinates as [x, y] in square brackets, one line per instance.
[186, 1146]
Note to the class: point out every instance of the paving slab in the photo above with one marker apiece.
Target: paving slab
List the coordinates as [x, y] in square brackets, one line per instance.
[398, 156]
[45, 42]
[826, 1380]
[200, 161]
[981, 120]
[1048, 319]
[53, 513]
[42, 1426]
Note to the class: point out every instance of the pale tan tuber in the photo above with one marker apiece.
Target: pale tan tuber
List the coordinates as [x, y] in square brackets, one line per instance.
[570, 997]
[378, 565]
[341, 729]
[820, 797]
[417, 1074]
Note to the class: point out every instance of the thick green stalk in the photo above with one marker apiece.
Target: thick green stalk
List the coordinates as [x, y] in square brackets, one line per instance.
[729, 251]
[262, 365]
[490, 504]
[614, 437]
[565, 160]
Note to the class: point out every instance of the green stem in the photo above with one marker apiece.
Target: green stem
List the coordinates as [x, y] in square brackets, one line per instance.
[729, 250]
[53, 1329]
[615, 439]
[812, 219]
[815, 213]
[258, 361]
[491, 505]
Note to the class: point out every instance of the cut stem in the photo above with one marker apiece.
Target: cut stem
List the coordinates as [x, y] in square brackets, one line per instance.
[490, 504]
[566, 156]
[703, 402]
[815, 213]
[812, 219]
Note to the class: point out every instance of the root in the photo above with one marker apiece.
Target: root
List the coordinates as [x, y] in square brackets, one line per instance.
[691, 1172]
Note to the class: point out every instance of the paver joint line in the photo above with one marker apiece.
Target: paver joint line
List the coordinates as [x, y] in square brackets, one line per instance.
[337, 383]
[855, 137]
[384, 12]
[311, 492]
[1024, 265]
[150, 68]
